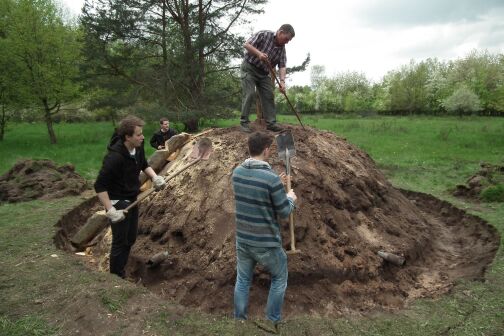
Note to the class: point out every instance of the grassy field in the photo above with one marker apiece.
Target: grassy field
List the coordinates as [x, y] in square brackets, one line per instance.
[40, 285]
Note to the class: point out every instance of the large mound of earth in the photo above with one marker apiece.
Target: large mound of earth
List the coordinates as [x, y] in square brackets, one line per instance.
[40, 179]
[347, 212]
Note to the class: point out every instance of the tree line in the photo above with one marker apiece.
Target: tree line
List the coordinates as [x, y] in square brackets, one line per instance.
[179, 58]
[473, 85]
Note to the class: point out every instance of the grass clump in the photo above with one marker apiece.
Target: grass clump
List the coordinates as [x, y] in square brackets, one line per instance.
[26, 326]
[493, 193]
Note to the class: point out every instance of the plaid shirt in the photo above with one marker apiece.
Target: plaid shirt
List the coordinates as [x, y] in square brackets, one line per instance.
[264, 41]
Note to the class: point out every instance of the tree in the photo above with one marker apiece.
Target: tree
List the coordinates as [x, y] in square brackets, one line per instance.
[407, 88]
[9, 70]
[47, 51]
[317, 75]
[175, 51]
[483, 74]
[462, 102]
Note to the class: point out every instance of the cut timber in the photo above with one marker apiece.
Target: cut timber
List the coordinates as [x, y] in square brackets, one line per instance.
[173, 156]
[93, 227]
[158, 160]
[393, 258]
[157, 259]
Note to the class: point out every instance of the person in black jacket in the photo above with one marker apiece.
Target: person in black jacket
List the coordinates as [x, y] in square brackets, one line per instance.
[118, 185]
[159, 138]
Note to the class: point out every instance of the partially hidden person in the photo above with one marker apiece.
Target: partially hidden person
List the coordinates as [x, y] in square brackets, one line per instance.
[159, 138]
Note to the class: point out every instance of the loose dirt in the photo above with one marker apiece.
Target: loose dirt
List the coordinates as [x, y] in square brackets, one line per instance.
[347, 212]
[40, 179]
[488, 176]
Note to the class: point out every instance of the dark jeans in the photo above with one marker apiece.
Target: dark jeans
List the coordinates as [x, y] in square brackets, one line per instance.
[252, 78]
[124, 235]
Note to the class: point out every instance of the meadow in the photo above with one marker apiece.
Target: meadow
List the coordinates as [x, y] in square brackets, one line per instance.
[425, 154]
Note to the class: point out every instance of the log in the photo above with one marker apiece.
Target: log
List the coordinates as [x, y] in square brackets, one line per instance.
[94, 225]
[157, 259]
[393, 258]
[158, 160]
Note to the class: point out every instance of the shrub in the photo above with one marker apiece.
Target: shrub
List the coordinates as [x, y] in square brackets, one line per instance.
[493, 193]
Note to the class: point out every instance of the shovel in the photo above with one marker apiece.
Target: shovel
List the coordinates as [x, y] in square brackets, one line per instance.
[201, 151]
[285, 95]
[286, 150]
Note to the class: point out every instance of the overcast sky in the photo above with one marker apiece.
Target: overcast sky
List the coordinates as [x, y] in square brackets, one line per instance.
[375, 36]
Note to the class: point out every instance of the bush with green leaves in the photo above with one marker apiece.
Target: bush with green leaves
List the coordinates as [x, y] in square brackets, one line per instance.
[493, 193]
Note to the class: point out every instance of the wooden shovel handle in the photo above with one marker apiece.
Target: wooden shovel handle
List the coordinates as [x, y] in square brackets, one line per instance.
[168, 178]
[291, 218]
[285, 94]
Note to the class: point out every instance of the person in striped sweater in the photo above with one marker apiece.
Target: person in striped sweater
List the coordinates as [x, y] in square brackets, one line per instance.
[260, 198]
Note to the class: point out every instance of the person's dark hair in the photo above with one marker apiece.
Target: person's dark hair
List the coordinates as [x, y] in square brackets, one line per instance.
[287, 28]
[127, 126]
[258, 142]
[162, 120]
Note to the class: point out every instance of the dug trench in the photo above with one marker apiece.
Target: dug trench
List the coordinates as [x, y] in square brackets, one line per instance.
[347, 212]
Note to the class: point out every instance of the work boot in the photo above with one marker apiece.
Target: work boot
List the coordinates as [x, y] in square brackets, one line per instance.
[245, 128]
[274, 128]
[268, 325]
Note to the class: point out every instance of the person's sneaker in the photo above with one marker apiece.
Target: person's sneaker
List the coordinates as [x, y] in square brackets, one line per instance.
[268, 325]
[274, 128]
[245, 128]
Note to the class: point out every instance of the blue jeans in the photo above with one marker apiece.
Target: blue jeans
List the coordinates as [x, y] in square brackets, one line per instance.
[274, 260]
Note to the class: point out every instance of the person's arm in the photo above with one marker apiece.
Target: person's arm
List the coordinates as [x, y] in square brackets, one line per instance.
[282, 72]
[254, 51]
[158, 181]
[282, 202]
[154, 142]
[102, 184]
[104, 200]
[150, 172]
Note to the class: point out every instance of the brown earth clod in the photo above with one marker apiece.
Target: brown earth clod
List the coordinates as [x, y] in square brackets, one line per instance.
[40, 179]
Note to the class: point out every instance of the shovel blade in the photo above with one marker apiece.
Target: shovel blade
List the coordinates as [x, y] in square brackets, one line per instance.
[202, 149]
[285, 145]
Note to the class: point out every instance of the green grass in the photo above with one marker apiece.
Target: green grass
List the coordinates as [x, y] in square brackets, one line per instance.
[26, 326]
[39, 292]
[419, 153]
[82, 144]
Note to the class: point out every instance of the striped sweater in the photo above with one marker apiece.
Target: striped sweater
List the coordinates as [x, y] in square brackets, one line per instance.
[259, 198]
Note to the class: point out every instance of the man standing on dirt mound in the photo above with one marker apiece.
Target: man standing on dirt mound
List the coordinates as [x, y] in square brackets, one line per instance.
[165, 133]
[265, 50]
[117, 186]
[259, 198]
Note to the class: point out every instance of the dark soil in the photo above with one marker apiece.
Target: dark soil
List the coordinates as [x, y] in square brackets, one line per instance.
[40, 179]
[489, 175]
[347, 212]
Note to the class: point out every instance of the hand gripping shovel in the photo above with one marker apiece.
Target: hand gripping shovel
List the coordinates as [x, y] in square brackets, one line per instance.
[286, 150]
[96, 223]
[200, 151]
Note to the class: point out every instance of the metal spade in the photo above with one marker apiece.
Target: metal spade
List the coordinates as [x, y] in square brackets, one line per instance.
[286, 150]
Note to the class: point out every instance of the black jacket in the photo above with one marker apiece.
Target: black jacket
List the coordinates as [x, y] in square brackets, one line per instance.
[159, 138]
[120, 171]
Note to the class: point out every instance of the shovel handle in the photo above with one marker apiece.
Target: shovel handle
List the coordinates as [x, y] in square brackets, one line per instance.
[168, 178]
[285, 94]
[291, 215]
